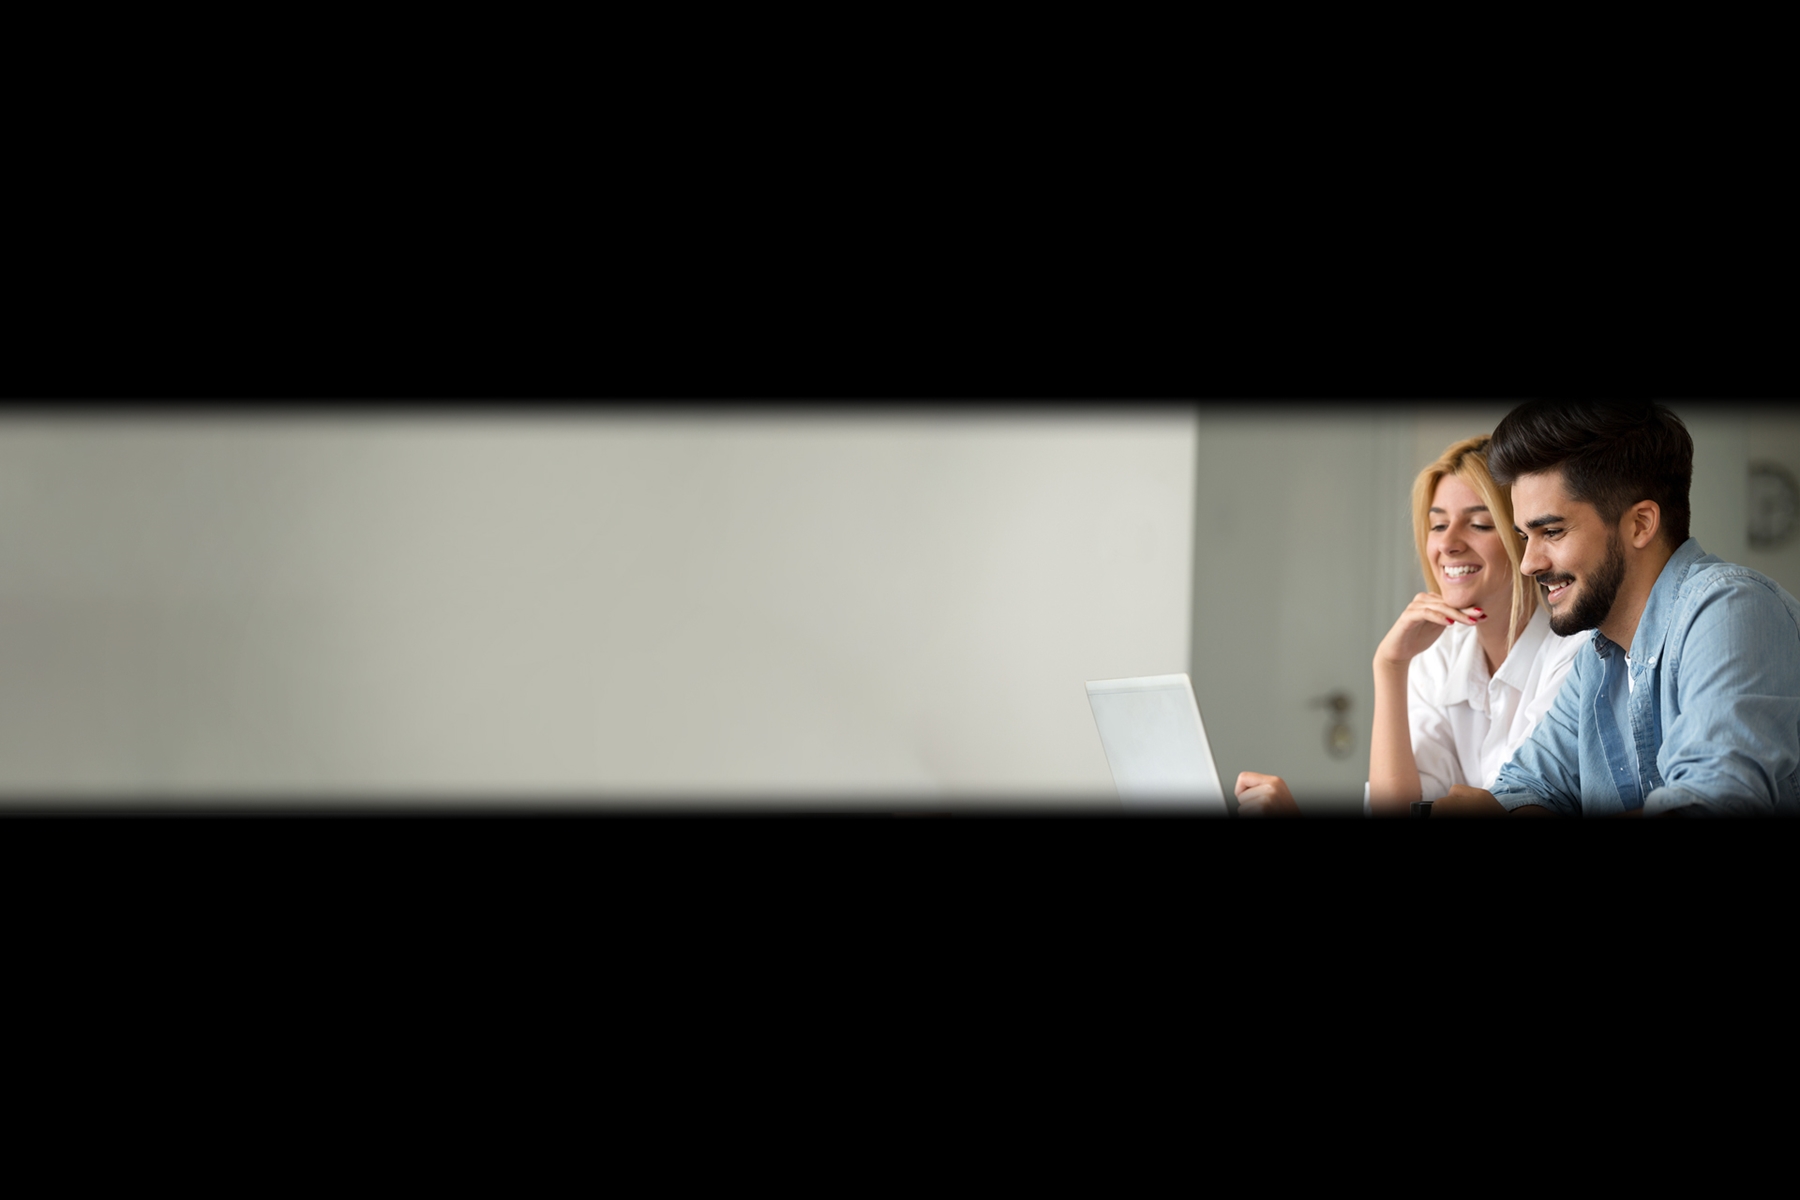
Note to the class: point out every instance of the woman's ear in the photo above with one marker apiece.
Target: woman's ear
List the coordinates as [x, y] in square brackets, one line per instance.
[1643, 521]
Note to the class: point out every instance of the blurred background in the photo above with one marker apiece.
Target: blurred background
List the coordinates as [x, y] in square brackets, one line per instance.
[722, 608]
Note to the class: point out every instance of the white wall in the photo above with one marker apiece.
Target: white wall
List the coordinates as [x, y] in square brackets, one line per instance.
[1719, 495]
[1302, 559]
[708, 607]
[1773, 435]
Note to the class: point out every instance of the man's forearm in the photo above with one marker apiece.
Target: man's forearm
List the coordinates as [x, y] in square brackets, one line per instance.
[1473, 802]
[1467, 802]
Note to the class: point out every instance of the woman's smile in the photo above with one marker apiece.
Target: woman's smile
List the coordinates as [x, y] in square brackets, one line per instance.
[1465, 583]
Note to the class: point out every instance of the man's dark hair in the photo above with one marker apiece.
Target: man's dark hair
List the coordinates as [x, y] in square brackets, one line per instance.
[1612, 453]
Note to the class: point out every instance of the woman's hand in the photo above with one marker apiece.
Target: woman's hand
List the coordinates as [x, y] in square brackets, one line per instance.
[1264, 796]
[1421, 624]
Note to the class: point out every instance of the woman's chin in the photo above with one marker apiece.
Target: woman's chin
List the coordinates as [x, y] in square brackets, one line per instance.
[1492, 605]
[1463, 595]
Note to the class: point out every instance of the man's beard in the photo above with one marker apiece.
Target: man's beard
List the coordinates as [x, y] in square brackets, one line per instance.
[1597, 592]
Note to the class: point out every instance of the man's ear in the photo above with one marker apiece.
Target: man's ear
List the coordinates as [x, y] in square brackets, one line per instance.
[1642, 521]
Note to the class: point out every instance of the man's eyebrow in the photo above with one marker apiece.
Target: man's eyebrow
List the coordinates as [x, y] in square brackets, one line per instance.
[1540, 522]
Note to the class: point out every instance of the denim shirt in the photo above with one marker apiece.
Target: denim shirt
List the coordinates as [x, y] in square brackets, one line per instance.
[1713, 699]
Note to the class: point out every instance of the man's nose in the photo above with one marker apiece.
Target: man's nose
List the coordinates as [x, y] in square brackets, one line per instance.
[1533, 562]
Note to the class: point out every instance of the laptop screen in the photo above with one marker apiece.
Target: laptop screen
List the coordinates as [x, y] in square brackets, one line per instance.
[1156, 744]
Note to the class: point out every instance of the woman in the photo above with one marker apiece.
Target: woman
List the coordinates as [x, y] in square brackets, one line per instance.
[1470, 667]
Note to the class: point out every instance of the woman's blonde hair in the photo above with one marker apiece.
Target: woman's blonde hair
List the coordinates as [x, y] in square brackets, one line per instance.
[1467, 460]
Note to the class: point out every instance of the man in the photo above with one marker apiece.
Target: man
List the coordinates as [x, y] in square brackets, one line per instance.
[1688, 698]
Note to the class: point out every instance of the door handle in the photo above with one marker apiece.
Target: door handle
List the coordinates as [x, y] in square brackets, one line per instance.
[1339, 740]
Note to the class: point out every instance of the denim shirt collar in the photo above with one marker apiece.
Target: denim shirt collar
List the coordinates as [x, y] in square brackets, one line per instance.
[1653, 625]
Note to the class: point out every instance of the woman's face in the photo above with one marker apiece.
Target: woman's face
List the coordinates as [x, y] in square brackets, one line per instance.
[1463, 545]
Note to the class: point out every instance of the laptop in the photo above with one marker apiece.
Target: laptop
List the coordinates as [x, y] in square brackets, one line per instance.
[1156, 744]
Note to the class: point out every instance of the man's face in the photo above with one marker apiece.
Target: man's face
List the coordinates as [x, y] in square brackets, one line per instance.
[1573, 553]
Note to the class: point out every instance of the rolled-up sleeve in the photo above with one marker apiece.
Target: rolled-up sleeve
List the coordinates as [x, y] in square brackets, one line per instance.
[1733, 742]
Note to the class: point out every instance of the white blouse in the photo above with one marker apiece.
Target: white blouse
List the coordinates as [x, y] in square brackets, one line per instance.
[1466, 724]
